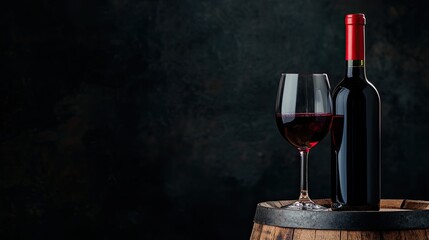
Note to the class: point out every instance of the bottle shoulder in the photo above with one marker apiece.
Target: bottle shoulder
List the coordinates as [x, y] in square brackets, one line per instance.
[355, 85]
[360, 88]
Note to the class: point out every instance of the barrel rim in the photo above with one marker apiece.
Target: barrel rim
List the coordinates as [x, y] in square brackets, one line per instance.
[342, 220]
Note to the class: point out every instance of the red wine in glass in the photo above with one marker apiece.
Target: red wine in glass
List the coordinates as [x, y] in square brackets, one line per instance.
[337, 131]
[304, 130]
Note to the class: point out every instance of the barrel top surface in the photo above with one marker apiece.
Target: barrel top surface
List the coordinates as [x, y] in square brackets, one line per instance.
[394, 214]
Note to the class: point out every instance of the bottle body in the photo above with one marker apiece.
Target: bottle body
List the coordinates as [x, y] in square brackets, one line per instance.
[356, 131]
[356, 135]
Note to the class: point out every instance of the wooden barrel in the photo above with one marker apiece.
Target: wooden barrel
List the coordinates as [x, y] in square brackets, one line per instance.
[398, 219]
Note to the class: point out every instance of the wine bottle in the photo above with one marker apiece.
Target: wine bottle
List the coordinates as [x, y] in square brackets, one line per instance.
[356, 129]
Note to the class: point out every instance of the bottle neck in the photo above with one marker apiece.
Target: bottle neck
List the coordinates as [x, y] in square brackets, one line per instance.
[355, 69]
[355, 42]
[355, 50]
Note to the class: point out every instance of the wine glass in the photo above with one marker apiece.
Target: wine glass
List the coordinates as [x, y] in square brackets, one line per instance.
[303, 116]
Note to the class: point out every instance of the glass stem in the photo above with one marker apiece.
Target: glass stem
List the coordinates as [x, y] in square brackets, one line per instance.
[304, 197]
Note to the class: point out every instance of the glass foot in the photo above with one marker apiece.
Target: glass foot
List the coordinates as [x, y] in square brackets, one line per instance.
[308, 205]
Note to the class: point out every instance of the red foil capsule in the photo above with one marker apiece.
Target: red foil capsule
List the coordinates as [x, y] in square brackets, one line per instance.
[355, 36]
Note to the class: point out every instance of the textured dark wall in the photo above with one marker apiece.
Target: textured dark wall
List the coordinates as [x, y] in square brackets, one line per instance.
[155, 118]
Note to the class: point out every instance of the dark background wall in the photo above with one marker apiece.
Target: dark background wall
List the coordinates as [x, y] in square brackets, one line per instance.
[154, 119]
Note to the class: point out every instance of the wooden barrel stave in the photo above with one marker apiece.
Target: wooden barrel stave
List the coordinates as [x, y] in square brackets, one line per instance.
[267, 232]
[276, 233]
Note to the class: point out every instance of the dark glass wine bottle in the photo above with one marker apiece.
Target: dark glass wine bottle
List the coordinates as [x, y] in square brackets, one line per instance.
[356, 129]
